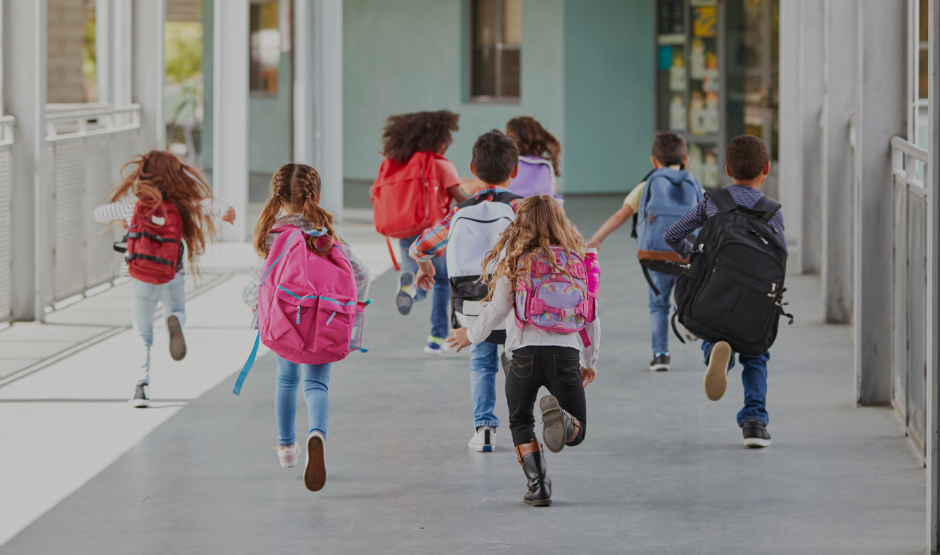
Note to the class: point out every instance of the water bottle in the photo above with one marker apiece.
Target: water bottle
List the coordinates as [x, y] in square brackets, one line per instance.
[593, 271]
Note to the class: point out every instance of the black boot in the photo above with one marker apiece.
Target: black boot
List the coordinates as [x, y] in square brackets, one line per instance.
[558, 426]
[532, 459]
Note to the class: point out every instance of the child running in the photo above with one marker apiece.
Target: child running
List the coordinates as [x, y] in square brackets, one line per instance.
[539, 158]
[748, 164]
[156, 178]
[414, 146]
[295, 201]
[540, 242]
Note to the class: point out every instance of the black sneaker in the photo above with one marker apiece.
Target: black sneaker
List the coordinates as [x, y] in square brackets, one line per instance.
[755, 434]
[141, 396]
[660, 363]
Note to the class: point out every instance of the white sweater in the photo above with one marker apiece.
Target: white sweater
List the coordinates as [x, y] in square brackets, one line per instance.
[501, 307]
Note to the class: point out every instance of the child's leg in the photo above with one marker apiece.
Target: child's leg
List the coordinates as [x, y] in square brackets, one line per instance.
[285, 399]
[522, 385]
[144, 297]
[440, 326]
[409, 264]
[316, 395]
[483, 368]
[754, 377]
[174, 298]
[659, 311]
[564, 383]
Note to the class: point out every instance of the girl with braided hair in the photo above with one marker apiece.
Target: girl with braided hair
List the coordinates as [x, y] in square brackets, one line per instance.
[295, 201]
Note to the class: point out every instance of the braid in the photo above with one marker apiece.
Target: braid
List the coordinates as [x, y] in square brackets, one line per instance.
[280, 194]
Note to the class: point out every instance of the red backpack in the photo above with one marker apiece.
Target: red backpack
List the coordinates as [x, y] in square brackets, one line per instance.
[154, 242]
[407, 198]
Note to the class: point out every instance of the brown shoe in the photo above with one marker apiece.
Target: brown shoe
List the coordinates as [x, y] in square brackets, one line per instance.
[177, 343]
[716, 377]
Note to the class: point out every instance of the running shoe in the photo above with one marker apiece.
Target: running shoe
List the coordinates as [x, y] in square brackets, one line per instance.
[177, 342]
[755, 434]
[141, 396]
[716, 377]
[315, 469]
[436, 346]
[484, 439]
[404, 298]
[288, 457]
[660, 363]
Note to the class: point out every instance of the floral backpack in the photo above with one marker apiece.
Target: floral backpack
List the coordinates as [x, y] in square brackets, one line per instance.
[547, 299]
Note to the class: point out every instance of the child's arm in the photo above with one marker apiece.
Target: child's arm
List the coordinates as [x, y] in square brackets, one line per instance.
[676, 235]
[117, 210]
[217, 208]
[620, 216]
[431, 242]
[493, 314]
[362, 273]
[457, 193]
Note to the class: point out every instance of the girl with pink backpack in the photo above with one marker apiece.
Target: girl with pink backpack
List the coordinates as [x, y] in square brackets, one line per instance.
[307, 293]
[546, 281]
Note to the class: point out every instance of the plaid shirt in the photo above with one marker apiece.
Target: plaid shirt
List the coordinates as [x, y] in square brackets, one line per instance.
[433, 241]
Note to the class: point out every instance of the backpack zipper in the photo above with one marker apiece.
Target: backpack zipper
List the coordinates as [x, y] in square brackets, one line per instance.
[298, 314]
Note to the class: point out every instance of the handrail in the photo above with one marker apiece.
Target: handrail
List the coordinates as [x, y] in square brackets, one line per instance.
[909, 148]
[904, 169]
[111, 119]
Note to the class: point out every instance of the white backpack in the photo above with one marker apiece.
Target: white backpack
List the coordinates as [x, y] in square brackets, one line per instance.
[474, 230]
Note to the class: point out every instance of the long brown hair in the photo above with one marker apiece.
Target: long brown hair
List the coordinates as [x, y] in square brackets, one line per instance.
[160, 176]
[295, 188]
[533, 140]
[540, 223]
[406, 134]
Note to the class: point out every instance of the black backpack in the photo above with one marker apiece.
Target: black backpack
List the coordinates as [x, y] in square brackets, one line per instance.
[732, 288]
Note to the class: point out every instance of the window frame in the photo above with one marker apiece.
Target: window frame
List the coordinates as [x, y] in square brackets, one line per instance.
[469, 44]
[258, 93]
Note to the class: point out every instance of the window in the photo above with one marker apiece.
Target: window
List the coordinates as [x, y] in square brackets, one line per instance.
[496, 44]
[265, 47]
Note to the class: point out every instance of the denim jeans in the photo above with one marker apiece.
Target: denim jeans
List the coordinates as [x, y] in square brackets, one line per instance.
[754, 377]
[316, 395]
[145, 297]
[440, 327]
[484, 365]
[659, 310]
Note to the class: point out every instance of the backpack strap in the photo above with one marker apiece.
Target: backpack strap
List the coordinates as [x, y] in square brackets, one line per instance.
[721, 198]
[248, 364]
[768, 206]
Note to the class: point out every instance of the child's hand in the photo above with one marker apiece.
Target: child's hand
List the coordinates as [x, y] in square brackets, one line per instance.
[592, 244]
[124, 224]
[588, 375]
[458, 339]
[426, 273]
[229, 215]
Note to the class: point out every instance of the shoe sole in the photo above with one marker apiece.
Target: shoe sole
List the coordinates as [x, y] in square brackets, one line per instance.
[434, 352]
[139, 403]
[756, 443]
[553, 424]
[480, 448]
[403, 300]
[315, 471]
[716, 377]
[538, 502]
[177, 342]
[659, 368]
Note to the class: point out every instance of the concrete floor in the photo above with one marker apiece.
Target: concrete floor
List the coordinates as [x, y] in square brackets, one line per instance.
[663, 470]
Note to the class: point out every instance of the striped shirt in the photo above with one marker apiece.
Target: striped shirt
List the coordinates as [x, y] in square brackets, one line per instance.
[433, 241]
[123, 209]
[743, 195]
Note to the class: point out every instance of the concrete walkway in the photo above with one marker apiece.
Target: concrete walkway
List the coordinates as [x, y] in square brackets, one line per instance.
[663, 469]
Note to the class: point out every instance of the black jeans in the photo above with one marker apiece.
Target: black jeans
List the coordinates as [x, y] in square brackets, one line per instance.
[556, 368]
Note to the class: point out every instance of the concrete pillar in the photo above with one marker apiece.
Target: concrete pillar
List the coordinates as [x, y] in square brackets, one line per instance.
[24, 78]
[932, 183]
[791, 129]
[812, 91]
[881, 67]
[318, 94]
[838, 162]
[148, 70]
[230, 106]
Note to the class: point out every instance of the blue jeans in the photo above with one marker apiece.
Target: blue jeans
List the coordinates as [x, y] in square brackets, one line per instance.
[145, 297]
[484, 365]
[659, 310]
[440, 327]
[754, 377]
[316, 394]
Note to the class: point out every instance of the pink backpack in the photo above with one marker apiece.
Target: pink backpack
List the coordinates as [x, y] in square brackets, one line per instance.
[307, 307]
[548, 299]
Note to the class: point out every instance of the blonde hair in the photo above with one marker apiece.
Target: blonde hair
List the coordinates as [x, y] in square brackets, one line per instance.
[160, 176]
[296, 188]
[540, 224]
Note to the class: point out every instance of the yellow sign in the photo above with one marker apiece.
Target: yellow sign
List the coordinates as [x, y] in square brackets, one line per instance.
[705, 21]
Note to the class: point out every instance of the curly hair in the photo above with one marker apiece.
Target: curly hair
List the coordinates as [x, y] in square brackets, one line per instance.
[295, 188]
[540, 223]
[746, 157]
[406, 134]
[160, 176]
[533, 140]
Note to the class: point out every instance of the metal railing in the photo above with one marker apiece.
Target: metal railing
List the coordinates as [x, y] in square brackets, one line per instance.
[86, 150]
[6, 218]
[909, 289]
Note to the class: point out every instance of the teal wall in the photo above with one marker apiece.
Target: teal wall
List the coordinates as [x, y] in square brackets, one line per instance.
[609, 93]
[269, 125]
[409, 55]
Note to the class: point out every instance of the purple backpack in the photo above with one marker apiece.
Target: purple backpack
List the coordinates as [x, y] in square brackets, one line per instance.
[536, 177]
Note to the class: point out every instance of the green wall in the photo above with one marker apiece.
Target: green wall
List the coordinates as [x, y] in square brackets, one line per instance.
[409, 55]
[609, 93]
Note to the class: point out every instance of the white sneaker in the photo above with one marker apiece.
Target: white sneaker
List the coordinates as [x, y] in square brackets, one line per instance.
[315, 471]
[141, 396]
[484, 439]
[288, 456]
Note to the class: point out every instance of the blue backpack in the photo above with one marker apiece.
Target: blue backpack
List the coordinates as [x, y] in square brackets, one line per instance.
[668, 195]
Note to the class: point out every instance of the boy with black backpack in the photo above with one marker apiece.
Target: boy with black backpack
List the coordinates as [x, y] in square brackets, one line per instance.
[732, 293]
[665, 195]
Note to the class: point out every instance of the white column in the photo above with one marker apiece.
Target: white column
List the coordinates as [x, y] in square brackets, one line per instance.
[318, 94]
[148, 70]
[811, 106]
[230, 51]
[24, 67]
[791, 129]
[838, 162]
[882, 113]
[122, 46]
[932, 182]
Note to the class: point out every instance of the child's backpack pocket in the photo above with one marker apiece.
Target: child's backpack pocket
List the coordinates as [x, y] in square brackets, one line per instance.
[333, 324]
